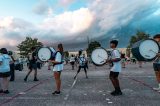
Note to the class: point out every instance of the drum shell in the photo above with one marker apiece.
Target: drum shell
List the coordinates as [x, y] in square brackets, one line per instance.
[92, 59]
[50, 54]
[136, 52]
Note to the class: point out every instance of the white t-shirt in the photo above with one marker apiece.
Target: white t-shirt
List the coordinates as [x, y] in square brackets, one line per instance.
[58, 67]
[5, 61]
[116, 65]
[72, 59]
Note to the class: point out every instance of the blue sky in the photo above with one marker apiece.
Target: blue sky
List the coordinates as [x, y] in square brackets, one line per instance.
[72, 21]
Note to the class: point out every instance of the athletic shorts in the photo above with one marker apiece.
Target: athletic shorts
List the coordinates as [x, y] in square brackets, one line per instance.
[33, 66]
[156, 66]
[114, 74]
[72, 63]
[5, 74]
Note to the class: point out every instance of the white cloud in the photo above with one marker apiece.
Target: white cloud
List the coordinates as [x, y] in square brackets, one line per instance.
[96, 21]
[69, 23]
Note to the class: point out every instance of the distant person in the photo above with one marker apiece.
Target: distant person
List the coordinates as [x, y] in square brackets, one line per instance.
[116, 69]
[123, 60]
[32, 64]
[5, 60]
[72, 61]
[82, 64]
[12, 66]
[140, 64]
[58, 68]
[156, 64]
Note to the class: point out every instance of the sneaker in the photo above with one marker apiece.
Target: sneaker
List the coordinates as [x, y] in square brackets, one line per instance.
[6, 92]
[1, 91]
[157, 89]
[35, 79]
[25, 79]
[116, 93]
[56, 93]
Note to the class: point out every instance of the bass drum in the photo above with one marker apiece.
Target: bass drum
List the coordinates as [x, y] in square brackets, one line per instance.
[45, 53]
[145, 50]
[99, 56]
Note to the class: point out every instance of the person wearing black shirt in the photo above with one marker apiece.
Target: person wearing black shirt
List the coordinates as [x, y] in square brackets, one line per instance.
[12, 66]
[32, 64]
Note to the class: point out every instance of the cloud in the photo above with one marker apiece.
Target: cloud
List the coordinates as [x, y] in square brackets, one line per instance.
[41, 8]
[69, 23]
[102, 19]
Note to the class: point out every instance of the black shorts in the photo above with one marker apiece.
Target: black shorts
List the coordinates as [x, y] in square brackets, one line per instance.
[156, 66]
[33, 66]
[72, 63]
[114, 74]
[4, 75]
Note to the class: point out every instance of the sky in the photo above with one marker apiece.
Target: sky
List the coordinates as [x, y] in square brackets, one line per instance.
[72, 22]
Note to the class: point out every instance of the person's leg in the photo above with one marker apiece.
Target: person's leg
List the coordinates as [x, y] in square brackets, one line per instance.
[5, 85]
[12, 72]
[85, 72]
[30, 70]
[115, 82]
[58, 82]
[79, 69]
[157, 73]
[35, 75]
[111, 76]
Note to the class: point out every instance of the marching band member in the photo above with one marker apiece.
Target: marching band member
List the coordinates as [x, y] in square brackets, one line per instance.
[156, 64]
[32, 64]
[116, 68]
[58, 68]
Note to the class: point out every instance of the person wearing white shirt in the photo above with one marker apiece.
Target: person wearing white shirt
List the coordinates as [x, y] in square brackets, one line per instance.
[82, 64]
[72, 61]
[5, 60]
[58, 67]
[116, 68]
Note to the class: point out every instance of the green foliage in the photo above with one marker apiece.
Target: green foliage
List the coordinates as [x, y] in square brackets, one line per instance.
[66, 54]
[139, 36]
[92, 46]
[25, 46]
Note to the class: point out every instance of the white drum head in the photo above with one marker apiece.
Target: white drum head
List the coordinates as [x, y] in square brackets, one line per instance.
[148, 49]
[44, 54]
[99, 56]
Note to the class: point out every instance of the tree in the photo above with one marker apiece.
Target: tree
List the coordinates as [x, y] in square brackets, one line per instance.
[66, 54]
[25, 46]
[92, 46]
[139, 36]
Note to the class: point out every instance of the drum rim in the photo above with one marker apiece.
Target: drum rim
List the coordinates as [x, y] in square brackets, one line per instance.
[144, 59]
[92, 59]
[38, 51]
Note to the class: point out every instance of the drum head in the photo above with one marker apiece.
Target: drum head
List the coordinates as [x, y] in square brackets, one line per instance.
[44, 54]
[149, 49]
[99, 56]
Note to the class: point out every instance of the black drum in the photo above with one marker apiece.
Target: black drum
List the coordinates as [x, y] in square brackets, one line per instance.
[99, 56]
[45, 53]
[145, 50]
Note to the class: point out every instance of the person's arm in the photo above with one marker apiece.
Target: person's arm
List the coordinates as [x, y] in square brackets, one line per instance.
[1, 61]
